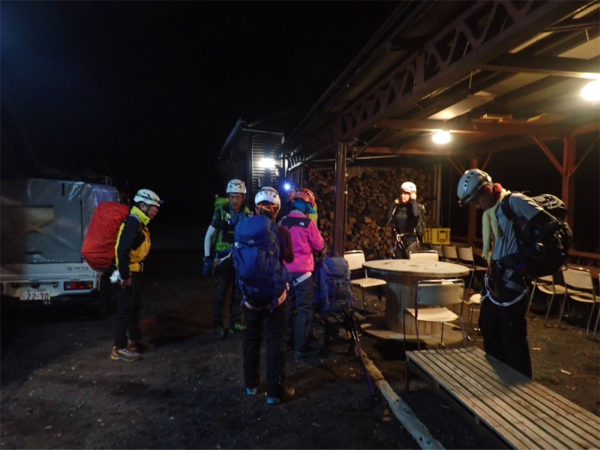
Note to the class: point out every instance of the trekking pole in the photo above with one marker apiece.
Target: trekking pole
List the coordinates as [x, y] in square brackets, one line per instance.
[386, 226]
[355, 338]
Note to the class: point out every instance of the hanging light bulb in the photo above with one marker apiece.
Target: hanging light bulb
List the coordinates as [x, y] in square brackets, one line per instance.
[591, 91]
[441, 137]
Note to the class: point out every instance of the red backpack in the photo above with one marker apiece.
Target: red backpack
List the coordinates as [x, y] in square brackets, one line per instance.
[99, 244]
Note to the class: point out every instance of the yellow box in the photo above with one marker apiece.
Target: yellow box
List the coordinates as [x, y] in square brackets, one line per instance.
[440, 236]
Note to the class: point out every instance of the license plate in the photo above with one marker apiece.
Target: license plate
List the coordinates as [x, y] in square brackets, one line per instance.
[35, 294]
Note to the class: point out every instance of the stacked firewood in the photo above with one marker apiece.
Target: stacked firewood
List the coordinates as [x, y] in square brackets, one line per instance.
[370, 194]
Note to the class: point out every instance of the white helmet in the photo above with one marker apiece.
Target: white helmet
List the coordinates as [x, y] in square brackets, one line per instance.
[267, 194]
[147, 196]
[470, 184]
[409, 187]
[236, 186]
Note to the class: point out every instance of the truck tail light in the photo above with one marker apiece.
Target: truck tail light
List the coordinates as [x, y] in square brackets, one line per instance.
[78, 285]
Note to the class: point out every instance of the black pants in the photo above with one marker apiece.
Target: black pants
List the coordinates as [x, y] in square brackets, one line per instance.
[253, 337]
[409, 244]
[226, 274]
[300, 329]
[504, 330]
[129, 308]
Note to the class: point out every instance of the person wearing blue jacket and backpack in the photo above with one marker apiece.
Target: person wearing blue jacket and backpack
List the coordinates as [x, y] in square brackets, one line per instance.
[258, 255]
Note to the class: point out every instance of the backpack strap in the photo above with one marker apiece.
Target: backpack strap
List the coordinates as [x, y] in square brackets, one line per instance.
[290, 222]
[510, 215]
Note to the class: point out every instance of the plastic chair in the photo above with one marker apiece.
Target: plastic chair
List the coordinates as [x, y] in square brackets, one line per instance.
[465, 257]
[449, 252]
[438, 294]
[424, 255]
[356, 259]
[473, 302]
[581, 279]
[549, 287]
[438, 249]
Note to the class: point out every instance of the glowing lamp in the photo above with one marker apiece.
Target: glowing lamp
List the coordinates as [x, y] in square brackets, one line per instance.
[591, 91]
[441, 137]
[267, 163]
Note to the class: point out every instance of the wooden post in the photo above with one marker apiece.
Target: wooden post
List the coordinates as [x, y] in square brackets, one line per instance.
[339, 224]
[568, 180]
[472, 229]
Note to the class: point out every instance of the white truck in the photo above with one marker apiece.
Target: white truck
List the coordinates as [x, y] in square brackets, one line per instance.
[42, 227]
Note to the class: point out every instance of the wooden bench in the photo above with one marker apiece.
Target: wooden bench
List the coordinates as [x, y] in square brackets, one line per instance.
[507, 406]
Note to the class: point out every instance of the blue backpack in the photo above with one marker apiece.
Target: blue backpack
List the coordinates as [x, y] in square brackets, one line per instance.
[333, 281]
[261, 276]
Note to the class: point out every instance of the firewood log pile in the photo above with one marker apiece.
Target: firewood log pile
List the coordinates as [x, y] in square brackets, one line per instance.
[369, 197]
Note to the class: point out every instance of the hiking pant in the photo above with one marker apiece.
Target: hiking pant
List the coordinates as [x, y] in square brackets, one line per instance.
[253, 337]
[409, 244]
[129, 308]
[504, 330]
[226, 276]
[302, 302]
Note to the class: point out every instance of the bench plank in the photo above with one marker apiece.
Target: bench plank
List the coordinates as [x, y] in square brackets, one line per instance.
[543, 424]
[586, 424]
[504, 429]
[494, 401]
[523, 413]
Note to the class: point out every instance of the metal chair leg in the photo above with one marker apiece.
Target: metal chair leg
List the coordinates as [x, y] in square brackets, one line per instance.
[362, 289]
[597, 321]
[562, 308]
[418, 340]
[462, 327]
[587, 332]
[549, 308]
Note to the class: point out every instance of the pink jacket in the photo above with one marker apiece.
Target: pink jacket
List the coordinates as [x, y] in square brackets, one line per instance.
[305, 239]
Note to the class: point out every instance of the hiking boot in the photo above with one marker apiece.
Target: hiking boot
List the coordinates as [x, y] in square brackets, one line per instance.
[124, 354]
[219, 333]
[237, 328]
[140, 346]
[250, 391]
[287, 393]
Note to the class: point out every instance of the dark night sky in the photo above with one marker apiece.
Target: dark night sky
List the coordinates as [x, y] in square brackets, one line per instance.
[152, 89]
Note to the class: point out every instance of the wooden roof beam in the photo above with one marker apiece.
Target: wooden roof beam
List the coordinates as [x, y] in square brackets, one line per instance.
[501, 129]
[406, 151]
[550, 65]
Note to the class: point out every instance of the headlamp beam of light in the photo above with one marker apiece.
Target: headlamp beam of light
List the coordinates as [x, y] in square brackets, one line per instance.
[287, 186]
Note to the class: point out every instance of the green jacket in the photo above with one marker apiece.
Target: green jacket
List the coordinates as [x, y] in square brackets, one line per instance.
[224, 238]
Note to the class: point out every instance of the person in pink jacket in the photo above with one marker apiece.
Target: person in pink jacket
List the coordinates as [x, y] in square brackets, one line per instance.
[305, 238]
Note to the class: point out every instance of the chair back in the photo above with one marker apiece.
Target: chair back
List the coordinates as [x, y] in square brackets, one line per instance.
[355, 258]
[449, 252]
[425, 255]
[578, 278]
[440, 292]
[465, 254]
[438, 249]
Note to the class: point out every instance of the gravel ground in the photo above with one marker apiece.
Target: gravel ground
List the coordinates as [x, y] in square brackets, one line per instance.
[60, 389]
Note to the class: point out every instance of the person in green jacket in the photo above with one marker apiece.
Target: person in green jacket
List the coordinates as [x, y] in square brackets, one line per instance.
[218, 244]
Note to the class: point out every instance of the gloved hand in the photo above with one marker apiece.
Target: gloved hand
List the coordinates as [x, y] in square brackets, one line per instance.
[208, 265]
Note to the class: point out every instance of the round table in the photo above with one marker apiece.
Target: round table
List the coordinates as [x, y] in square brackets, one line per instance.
[402, 276]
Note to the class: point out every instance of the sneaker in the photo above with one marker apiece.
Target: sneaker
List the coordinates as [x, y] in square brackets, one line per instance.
[124, 354]
[288, 392]
[237, 328]
[250, 391]
[219, 333]
[301, 355]
[140, 346]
